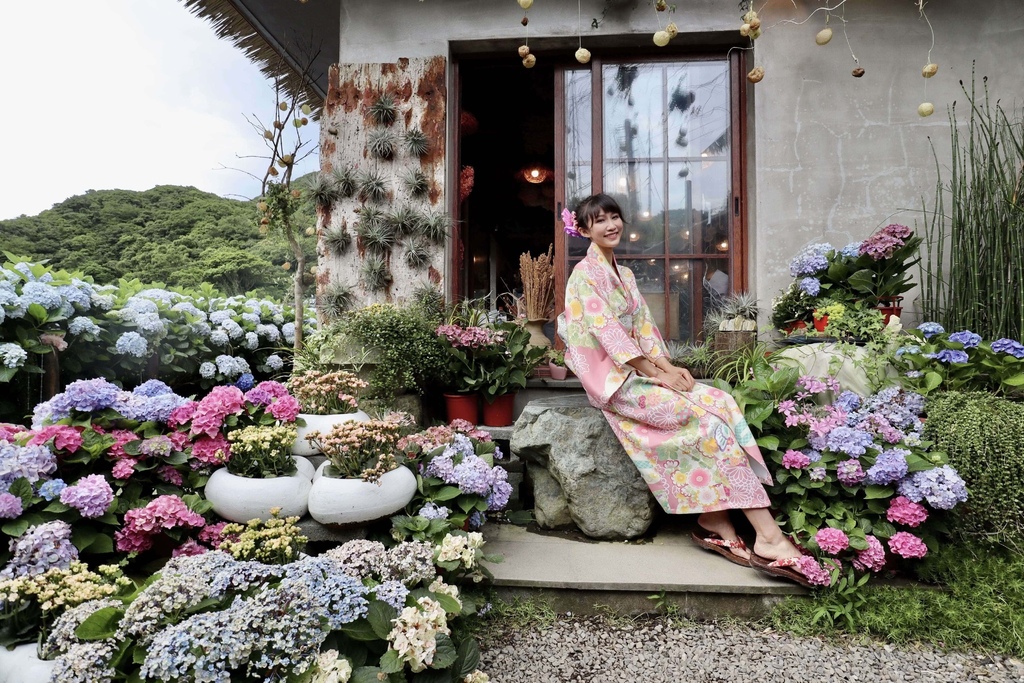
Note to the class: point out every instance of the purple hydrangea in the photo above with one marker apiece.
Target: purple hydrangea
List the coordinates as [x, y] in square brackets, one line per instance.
[41, 548]
[850, 472]
[91, 496]
[31, 462]
[10, 506]
[811, 259]
[476, 519]
[153, 387]
[848, 440]
[143, 408]
[949, 356]
[847, 402]
[157, 446]
[501, 490]
[942, 487]
[890, 466]
[473, 475]
[818, 474]
[810, 286]
[1010, 346]
[967, 338]
[930, 329]
[434, 511]
[440, 467]
[51, 489]
[86, 396]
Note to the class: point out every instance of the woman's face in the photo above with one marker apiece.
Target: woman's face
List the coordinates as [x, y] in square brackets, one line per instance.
[604, 230]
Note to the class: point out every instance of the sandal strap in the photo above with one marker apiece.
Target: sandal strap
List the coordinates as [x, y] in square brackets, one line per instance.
[785, 562]
[726, 543]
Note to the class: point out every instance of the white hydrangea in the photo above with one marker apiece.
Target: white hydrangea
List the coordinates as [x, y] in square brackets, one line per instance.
[414, 636]
[331, 668]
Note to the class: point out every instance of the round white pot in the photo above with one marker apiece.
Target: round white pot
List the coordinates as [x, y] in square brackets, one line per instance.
[321, 423]
[340, 502]
[239, 499]
[21, 665]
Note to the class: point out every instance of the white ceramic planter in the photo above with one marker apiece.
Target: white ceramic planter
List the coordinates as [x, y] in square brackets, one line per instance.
[239, 499]
[341, 502]
[321, 423]
[21, 665]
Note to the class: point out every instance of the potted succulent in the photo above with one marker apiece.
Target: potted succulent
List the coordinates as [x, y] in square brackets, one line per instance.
[261, 474]
[556, 364]
[361, 479]
[326, 397]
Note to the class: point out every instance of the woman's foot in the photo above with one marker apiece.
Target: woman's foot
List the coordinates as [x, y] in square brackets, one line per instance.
[777, 548]
[718, 523]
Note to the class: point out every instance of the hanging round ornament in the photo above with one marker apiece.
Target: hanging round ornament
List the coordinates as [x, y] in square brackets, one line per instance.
[824, 36]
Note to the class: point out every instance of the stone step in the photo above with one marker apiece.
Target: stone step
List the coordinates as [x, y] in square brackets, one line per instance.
[588, 577]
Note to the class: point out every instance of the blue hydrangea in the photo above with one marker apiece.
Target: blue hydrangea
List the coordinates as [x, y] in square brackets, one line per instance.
[274, 362]
[1010, 346]
[41, 548]
[949, 356]
[151, 325]
[434, 511]
[853, 442]
[288, 330]
[12, 355]
[245, 382]
[251, 318]
[218, 317]
[817, 474]
[152, 387]
[967, 338]
[103, 302]
[86, 396]
[51, 489]
[810, 286]
[233, 329]
[851, 250]
[393, 593]
[74, 295]
[890, 466]
[252, 342]
[269, 332]
[34, 463]
[848, 401]
[219, 338]
[811, 259]
[207, 370]
[942, 487]
[201, 330]
[190, 309]
[930, 329]
[911, 349]
[476, 519]
[230, 366]
[43, 294]
[82, 325]
[132, 344]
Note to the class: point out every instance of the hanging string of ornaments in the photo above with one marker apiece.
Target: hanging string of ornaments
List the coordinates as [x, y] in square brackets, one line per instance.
[751, 29]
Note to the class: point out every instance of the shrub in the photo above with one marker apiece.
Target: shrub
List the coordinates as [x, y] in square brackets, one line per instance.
[982, 434]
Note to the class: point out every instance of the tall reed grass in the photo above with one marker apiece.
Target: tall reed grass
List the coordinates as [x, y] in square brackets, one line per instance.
[972, 271]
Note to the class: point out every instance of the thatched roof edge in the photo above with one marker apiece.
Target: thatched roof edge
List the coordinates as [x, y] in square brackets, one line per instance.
[234, 23]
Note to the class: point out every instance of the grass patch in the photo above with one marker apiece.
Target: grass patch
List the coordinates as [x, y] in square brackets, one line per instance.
[977, 605]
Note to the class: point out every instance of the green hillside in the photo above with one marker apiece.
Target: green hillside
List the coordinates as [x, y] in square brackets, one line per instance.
[170, 234]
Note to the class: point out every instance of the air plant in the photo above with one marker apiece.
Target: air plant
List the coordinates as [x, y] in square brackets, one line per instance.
[336, 298]
[375, 273]
[338, 240]
[416, 142]
[435, 226]
[369, 215]
[345, 180]
[323, 191]
[741, 305]
[376, 236]
[417, 253]
[373, 187]
[417, 183]
[381, 143]
[384, 110]
[403, 220]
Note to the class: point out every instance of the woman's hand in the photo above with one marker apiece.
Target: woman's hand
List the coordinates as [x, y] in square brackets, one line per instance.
[677, 378]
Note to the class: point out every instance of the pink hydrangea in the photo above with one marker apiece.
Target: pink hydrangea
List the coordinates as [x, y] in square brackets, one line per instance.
[188, 548]
[212, 451]
[907, 545]
[904, 511]
[164, 512]
[873, 557]
[124, 468]
[179, 440]
[832, 541]
[8, 431]
[122, 437]
[182, 415]
[91, 496]
[815, 573]
[286, 408]
[213, 534]
[65, 437]
[170, 475]
[795, 460]
[217, 405]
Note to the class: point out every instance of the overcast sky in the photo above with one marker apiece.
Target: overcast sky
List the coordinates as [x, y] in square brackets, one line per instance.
[127, 94]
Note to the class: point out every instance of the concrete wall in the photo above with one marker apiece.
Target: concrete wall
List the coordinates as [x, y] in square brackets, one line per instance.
[833, 157]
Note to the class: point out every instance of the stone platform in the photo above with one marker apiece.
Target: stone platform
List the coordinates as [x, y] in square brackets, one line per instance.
[587, 577]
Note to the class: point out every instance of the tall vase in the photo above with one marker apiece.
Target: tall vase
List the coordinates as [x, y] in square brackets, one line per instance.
[537, 336]
[463, 407]
[499, 412]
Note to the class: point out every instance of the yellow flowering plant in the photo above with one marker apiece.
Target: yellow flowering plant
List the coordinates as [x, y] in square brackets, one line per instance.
[276, 541]
[262, 452]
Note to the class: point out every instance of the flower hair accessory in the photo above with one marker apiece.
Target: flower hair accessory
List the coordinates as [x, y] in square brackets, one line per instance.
[569, 219]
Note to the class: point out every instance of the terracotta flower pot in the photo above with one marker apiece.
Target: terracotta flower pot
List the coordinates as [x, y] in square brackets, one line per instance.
[792, 327]
[321, 423]
[499, 413]
[820, 323]
[463, 407]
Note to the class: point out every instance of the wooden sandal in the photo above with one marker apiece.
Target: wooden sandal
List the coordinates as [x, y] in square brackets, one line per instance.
[709, 540]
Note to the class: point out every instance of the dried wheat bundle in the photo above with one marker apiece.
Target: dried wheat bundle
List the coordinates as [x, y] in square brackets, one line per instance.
[538, 277]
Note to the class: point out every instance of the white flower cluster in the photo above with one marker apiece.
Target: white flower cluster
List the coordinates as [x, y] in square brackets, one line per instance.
[414, 636]
[442, 588]
[331, 668]
[459, 548]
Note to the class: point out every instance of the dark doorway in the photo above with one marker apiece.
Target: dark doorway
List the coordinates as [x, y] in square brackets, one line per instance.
[507, 138]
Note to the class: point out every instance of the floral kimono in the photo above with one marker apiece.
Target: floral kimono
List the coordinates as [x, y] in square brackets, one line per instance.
[694, 450]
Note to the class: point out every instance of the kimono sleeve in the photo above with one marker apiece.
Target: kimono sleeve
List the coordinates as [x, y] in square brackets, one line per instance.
[591, 321]
[647, 333]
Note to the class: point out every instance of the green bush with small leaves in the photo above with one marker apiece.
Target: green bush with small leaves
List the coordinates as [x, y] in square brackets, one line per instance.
[982, 434]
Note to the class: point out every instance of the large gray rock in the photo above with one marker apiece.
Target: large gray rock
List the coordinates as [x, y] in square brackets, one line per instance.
[580, 471]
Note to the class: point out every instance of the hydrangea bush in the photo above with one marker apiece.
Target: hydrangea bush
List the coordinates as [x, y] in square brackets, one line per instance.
[855, 483]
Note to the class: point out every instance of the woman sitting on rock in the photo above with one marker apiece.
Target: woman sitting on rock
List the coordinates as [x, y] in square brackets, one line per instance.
[689, 441]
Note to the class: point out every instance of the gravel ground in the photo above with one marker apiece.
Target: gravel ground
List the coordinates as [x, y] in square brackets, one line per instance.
[656, 651]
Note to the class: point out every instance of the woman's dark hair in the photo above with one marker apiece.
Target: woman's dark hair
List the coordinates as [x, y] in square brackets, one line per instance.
[593, 205]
